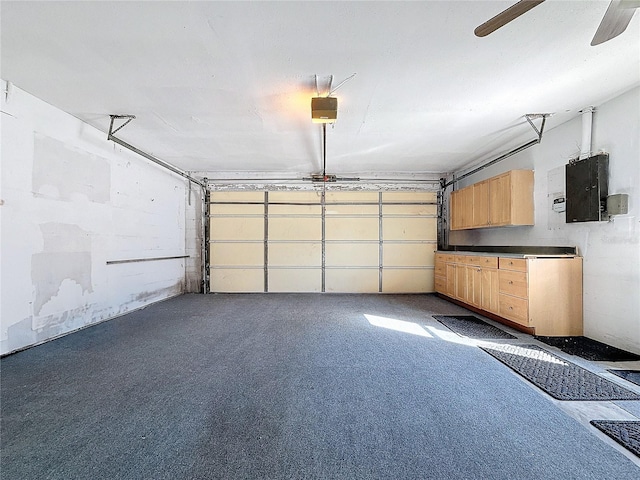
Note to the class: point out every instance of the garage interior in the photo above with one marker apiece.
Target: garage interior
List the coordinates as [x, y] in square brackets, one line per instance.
[202, 276]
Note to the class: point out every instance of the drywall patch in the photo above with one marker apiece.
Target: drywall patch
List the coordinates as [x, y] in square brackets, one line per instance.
[64, 237]
[65, 173]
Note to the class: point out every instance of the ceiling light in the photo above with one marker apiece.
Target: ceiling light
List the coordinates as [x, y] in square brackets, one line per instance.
[324, 109]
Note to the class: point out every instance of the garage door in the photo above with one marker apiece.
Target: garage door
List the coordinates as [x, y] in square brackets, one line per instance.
[322, 241]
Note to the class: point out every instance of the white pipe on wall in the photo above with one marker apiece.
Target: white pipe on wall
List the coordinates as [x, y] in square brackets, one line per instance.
[587, 124]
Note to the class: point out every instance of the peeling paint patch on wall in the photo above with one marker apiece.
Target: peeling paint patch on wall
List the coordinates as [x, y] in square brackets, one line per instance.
[61, 273]
[59, 278]
[66, 173]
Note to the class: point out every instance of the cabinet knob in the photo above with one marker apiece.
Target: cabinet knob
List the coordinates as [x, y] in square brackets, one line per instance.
[510, 282]
[510, 308]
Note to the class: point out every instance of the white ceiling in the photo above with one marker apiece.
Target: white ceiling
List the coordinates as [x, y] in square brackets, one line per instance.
[225, 87]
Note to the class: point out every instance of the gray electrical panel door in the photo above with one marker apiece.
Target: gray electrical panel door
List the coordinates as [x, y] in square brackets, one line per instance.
[587, 189]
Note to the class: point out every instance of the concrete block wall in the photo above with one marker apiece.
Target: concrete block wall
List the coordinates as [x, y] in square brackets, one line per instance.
[70, 203]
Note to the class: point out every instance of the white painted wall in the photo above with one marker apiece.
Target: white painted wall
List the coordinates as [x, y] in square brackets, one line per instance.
[70, 201]
[611, 250]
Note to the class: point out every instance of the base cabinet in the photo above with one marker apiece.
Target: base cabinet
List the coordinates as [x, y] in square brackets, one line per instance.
[543, 294]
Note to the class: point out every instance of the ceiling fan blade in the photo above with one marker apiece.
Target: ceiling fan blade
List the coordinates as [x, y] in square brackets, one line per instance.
[630, 3]
[504, 17]
[615, 21]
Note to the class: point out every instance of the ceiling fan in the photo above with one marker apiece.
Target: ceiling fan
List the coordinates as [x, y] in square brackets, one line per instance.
[615, 20]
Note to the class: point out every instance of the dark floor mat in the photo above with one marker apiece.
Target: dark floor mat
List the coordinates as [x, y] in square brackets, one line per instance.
[632, 376]
[560, 379]
[625, 432]
[471, 326]
[589, 349]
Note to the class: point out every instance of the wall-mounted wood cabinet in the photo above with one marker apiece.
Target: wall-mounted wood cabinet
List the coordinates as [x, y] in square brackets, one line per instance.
[542, 294]
[506, 199]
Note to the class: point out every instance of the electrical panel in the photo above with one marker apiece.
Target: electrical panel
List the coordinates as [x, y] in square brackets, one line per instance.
[587, 189]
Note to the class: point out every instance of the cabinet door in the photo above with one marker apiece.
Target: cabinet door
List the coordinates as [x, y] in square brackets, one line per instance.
[474, 279]
[500, 200]
[461, 282]
[451, 280]
[455, 212]
[521, 191]
[481, 204]
[466, 200]
[462, 209]
[490, 290]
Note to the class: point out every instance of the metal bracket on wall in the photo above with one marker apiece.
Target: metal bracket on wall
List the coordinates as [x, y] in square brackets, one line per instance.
[539, 131]
[162, 163]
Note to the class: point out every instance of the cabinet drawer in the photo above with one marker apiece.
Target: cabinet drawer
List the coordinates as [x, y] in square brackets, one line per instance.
[444, 257]
[461, 259]
[519, 264]
[440, 268]
[513, 283]
[514, 308]
[472, 260]
[489, 262]
[441, 284]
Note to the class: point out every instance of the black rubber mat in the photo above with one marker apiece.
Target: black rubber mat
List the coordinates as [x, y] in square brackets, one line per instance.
[632, 376]
[625, 432]
[471, 327]
[559, 378]
[589, 349]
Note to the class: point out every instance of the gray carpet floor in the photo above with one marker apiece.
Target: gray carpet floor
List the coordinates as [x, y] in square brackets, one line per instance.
[284, 387]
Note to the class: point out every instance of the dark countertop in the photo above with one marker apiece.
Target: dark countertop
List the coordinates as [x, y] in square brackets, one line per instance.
[517, 251]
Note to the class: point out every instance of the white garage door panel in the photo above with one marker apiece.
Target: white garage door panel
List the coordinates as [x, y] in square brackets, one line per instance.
[299, 210]
[408, 254]
[295, 254]
[236, 228]
[353, 210]
[295, 197]
[410, 280]
[351, 228]
[230, 280]
[395, 228]
[236, 210]
[299, 228]
[295, 280]
[409, 197]
[237, 197]
[237, 254]
[351, 280]
[414, 210]
[352, 254]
